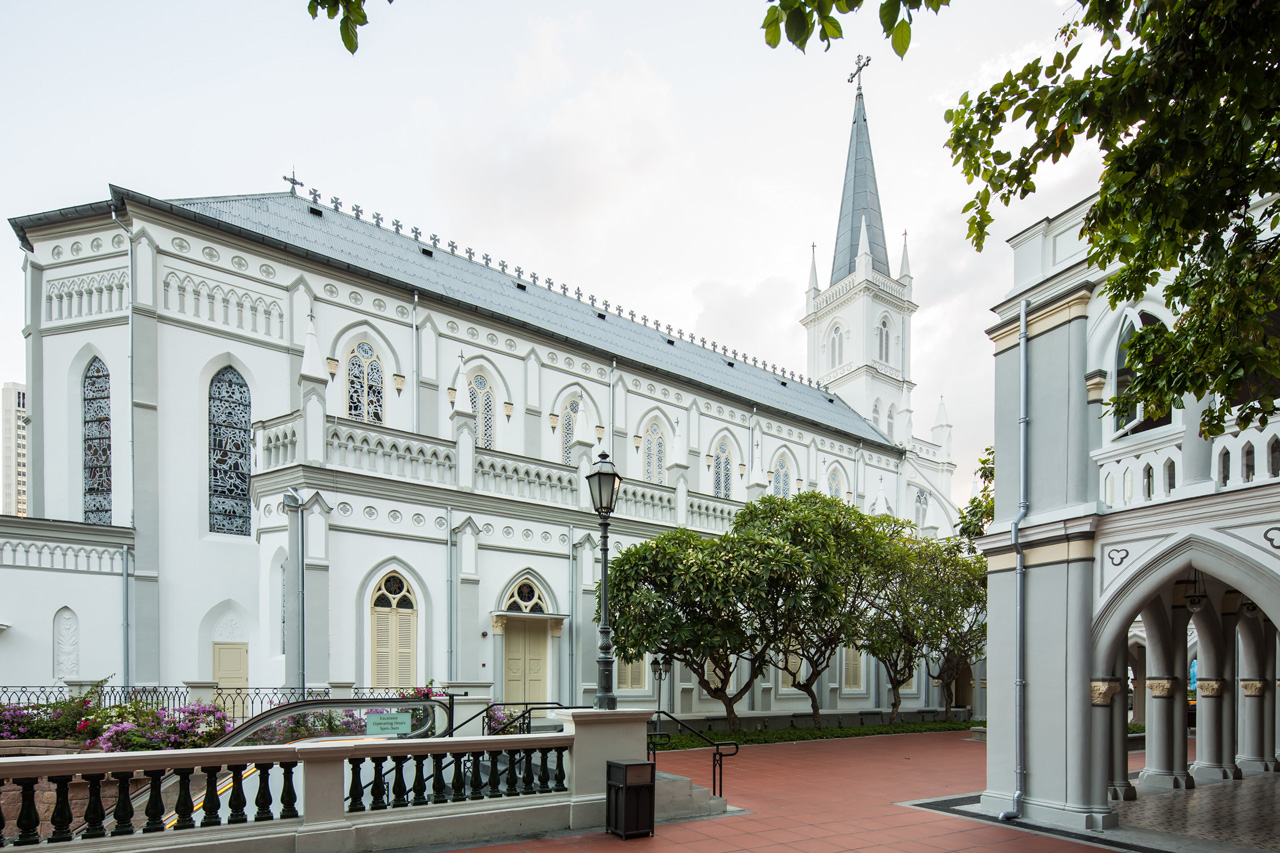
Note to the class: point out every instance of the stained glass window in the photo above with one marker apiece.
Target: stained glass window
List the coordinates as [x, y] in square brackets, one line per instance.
[364, 384]
[482, 405]
[721, 483]
[229, 465]
[782, 478]
[568, 421]
[655, 455]
[525, 598]
[833, 484]
[97, 443]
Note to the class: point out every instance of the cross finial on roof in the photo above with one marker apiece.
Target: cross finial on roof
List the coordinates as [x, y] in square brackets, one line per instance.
[856, 76]
[292, 180]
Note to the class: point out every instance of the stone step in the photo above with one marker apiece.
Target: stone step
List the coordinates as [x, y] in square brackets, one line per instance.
[677, 797]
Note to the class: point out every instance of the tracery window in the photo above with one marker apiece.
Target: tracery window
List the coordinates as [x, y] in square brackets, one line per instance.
[230, 435]
[882, 341]
[97, 443]
[722, 485]
[837, 348]
[481, 393]
[922, 507]
[655, 455]
[568, 422]
[394, 625]
[1130, 421]
[833, 483]
[364, 384]
[782, 478]
[889, 421]
[525, 597]
[875, 414]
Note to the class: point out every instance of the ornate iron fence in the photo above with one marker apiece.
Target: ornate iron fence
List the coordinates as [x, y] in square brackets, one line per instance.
[241, 703]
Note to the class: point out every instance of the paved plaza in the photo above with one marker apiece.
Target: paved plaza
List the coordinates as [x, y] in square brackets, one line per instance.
[851, 794]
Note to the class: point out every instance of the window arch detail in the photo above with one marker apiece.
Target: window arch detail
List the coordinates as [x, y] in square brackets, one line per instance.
[394, 628]
[365, 378]
[722, 482]
[875, 414]
[922, 507]
[97, 443]
[525, 597]
[837, 347]
[782, 478]
[882, 340]
[888, 423]
[480, 390]
[655, 454]
[230, 436]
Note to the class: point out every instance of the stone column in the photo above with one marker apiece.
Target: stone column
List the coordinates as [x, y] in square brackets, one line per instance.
[1159, 770]
[1140, 685]
[1178, 697]
[1251, 755]
[1120, 788]
[1102, 693]
[1269, 694]
[1208, 764]
[1227, 725]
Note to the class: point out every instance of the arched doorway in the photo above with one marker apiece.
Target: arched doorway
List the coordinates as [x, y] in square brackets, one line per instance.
[526, 639]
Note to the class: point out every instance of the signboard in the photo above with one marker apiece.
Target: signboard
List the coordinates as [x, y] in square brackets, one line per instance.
[388, 724]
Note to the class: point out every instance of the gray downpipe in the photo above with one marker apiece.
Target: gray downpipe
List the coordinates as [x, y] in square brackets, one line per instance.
[133, 488]
[449, 596]
[302, 589]
[417, 426]
[1020, 584]
[124, 614]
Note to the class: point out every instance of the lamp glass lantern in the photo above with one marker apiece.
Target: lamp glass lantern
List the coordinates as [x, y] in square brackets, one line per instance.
[603, 483]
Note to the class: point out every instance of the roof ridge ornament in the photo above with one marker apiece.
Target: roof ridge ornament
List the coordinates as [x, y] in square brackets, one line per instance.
[856, 76]
[292, 180]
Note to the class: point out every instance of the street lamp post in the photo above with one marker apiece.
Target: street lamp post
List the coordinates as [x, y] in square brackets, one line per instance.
[603, 483]
[662, 669]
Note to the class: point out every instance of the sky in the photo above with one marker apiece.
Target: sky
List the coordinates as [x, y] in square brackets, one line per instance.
[661, 156]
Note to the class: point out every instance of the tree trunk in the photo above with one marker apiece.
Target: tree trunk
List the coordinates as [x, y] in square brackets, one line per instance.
[894, 691]
[731, 716]
[807, 689]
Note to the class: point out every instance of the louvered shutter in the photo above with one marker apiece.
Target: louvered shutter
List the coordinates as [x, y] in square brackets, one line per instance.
[405, 639]
[852, 668]
[382, 662]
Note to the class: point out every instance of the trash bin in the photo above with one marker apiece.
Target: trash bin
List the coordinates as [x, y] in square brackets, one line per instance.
[630, 796]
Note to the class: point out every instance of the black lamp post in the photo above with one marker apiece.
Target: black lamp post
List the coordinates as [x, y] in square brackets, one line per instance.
[603, 483]
[661, 669]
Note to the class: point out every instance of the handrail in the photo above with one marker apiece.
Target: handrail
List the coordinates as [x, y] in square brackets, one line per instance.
[290, 709]
[717, 758]
[523, 717]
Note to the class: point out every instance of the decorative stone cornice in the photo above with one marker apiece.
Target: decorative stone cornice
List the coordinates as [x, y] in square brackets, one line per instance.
[1102, 689]
[1252, 686]
[1160, 687]
[499, 623]
[1211, 688]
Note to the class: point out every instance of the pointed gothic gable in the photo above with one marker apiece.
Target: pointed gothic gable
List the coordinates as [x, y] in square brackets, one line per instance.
[859, 202]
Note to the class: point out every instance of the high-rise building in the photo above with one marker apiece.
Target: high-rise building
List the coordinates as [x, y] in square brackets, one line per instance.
[13, 449]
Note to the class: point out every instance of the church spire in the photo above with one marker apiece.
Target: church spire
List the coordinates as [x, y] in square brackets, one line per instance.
[859, 202]
[904, 268]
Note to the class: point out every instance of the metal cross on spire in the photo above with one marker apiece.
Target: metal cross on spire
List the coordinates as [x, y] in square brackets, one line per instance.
[856, 76]
[292, 180]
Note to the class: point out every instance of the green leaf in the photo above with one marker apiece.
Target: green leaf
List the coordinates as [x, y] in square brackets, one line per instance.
[831, 27]
[798, 24]
[901, 38]
[773, 35]
[348, 29]
[889, 12]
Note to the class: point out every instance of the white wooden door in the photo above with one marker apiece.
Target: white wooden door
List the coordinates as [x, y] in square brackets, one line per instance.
[526, 664]
[231, 664]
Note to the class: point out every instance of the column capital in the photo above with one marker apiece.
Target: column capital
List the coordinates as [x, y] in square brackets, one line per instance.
[1252, 686]
[1160, 687]
[1211, 688]
[1102, 689]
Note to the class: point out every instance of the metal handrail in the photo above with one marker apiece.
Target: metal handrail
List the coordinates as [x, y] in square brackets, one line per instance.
[523, 718]
[291, 709]
[657, 738]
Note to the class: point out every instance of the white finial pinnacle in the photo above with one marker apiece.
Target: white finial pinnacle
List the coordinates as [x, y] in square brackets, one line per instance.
[904, 269]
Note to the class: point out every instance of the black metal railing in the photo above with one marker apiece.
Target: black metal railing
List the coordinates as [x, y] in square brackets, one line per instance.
[656, 737]
[455, 777]
[32, 695]
[520, 724]
[169, 697]
[244, 703]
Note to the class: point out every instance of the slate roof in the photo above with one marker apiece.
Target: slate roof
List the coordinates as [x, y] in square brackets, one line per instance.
[860, 199]
[290, 223]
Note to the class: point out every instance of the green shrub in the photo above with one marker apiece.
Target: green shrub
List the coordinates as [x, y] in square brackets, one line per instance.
[687, 741]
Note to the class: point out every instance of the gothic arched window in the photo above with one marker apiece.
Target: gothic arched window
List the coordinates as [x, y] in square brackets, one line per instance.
[837, 348]
[882, 340]
[394, 625]
[889, 421]
[655, 455]
[230, 435]
[782, 478]
[922, 507]
[364, 384]
[97, 443]
[1130, 421]
[525, 597]
[482, 405]
[875, 414]
[833, 483]
[568, 421]
[722, 485]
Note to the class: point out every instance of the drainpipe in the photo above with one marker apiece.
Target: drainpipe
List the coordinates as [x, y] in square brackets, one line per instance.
[416, 356]
[133, 467]
[124, 611]
[294, 499]
[449, 597]
[575, 584]
[1020, 583]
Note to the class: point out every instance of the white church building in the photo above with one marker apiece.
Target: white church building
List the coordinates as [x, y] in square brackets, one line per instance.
[273, 441]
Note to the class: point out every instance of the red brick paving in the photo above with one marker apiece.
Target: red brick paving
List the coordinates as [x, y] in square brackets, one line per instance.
[826, 797]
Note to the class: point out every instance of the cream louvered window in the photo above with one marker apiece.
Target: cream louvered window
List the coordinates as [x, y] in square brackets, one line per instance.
[629, 676]
[852, 668]
[794, 671]
[394, 629]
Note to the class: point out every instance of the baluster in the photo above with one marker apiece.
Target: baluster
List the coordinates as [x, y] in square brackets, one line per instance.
[155, 803]
[238, 801]
[459, 788]
[477, 782]
[511, 773]
[211, 802]
[398, 788]
[123, 813]
[1, 814]
[437, 779]
[94, 814]
[495, 778]
[379, 788]
[263, 800]
[61, 817]
[355, 794]
[419, 781]
[288, 796]
[184, 806]
[560, 786]
[526, 778]
[28, 817]
[544, 772]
